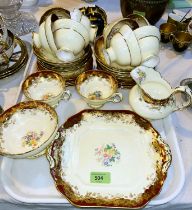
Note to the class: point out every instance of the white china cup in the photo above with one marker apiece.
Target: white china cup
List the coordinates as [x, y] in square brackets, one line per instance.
[49, 34]
[45, 86]
[36, 40]
[76, 15]
[146, 31]
[124, 48]
[118, 51]
[43, 38]
[69, 40]
[149, 47]
[73, 25]
[149, 41]
[84, 20]
[133, 44]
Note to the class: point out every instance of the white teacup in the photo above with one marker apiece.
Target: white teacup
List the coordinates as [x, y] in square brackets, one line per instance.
[146, 31]
[43, 38]
[124, 48]
[118, 51]
[49, 34]
[149, 41]
[84, 20]
[73, 25]
[69, 40]
[149, 46]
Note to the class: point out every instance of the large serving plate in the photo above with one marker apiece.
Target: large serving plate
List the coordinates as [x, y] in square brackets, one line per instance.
[30, 181]
[109, 159]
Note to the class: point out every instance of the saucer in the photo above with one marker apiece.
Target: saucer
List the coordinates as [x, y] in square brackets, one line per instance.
[147, 110]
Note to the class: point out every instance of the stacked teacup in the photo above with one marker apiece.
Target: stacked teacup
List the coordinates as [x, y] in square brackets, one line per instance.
[6, 43]
[62, 44]
[125, 45]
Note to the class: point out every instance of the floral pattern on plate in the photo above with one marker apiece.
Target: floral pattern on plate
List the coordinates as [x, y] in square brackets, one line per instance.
[107, 154]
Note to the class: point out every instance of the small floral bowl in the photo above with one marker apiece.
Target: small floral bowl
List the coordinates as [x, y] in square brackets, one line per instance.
[27, 129]
[45, 86]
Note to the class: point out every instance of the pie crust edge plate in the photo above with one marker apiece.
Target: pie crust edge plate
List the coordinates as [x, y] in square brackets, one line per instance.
[54, 158]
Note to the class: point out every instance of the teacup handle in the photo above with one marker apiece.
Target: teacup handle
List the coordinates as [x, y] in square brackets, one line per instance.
[151, 62]
[66, 95]
[187, 91]
[171, 37]
[116, 98]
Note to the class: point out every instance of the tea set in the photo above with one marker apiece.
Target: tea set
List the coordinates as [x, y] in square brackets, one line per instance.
[126, 56]
[128, 51]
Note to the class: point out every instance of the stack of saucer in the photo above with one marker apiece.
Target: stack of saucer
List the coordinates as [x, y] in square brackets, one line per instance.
[69, 70]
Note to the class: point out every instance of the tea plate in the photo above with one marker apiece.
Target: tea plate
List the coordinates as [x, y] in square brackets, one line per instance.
[124, 164]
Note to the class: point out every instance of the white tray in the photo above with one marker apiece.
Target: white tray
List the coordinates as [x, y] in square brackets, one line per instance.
[29, 180]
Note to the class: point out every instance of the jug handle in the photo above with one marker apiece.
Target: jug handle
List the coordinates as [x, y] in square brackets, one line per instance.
[186, 91]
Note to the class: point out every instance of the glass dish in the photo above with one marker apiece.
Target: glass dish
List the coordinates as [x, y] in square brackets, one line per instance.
[19, 23]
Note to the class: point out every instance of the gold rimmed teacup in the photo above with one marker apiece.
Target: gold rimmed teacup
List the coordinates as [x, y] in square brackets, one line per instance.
[181, 40]
[166, 29]
[97, 88]
[45, 86]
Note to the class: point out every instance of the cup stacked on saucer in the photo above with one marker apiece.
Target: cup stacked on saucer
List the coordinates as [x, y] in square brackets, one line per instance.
[125, 44]
[13, 52]
[62, 43]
